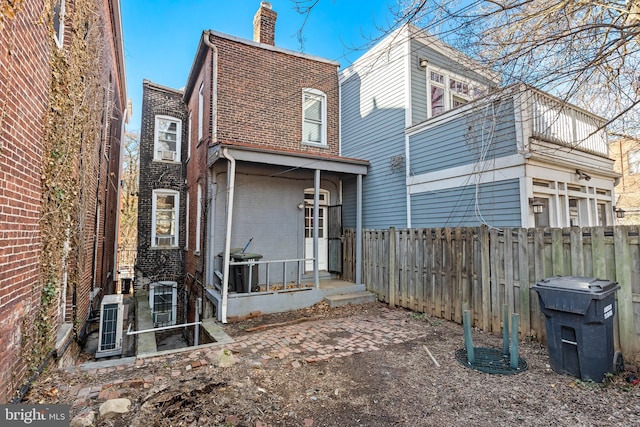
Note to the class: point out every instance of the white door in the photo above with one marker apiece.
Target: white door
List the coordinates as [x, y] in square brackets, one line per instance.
[322, 229]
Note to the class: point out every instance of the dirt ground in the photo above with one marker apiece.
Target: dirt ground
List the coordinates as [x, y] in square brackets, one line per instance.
[401, 384]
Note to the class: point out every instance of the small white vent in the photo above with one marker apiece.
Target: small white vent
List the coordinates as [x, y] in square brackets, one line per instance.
[168, 155]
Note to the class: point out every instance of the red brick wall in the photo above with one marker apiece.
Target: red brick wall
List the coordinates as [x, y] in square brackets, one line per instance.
[259, 101]
[197, 174]
[24, 83]
[260, 96]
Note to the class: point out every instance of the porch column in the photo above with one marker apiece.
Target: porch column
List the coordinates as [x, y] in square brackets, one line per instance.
[359, 230]
[231, 183]
[316, 212]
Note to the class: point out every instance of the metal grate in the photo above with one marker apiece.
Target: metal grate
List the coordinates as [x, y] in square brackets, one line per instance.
[491, 361]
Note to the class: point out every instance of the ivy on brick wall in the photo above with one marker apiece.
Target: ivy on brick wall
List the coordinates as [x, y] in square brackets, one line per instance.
[72, 143]
[8, 10]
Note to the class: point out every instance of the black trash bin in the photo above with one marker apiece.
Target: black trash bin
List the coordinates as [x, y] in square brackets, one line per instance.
[579, 323]
[244, 277]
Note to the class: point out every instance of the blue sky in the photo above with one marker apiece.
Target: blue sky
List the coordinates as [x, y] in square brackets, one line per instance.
[161, 36]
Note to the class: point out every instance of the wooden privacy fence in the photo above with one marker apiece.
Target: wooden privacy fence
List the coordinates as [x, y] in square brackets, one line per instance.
[436, 270]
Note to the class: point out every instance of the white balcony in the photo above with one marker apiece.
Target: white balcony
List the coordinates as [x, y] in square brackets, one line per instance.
[555, 121]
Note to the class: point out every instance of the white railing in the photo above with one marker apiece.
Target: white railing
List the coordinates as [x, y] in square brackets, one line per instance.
[273, 276]
[562, 123]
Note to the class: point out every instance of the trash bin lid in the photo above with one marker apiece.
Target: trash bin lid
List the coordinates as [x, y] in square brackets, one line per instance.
[242, 256]
[578, 284]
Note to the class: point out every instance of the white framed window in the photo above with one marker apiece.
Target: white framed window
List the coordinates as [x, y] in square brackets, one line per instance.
[186, 225]
[198, 218]
[634, 161]
[58, 22]
[314, 117]
[437, 93]
[167, 139]
[447, 91]
[189, 137]
[164, 218]
[200, 111]
[163, 301]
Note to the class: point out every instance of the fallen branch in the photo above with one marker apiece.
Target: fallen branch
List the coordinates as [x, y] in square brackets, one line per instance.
[431, 356]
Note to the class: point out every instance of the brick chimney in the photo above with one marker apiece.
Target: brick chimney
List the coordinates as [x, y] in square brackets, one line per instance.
[264, 24]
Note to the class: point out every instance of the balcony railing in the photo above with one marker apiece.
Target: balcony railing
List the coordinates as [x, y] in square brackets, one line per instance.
[273, 276]
[561, 123]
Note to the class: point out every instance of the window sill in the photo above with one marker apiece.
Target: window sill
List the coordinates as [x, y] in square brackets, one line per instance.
[173, 162]
[164, 248]
[196, 253]
[314, 144]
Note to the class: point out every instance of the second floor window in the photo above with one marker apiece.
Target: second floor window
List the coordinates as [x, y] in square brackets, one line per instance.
[314, 114]
[438, 101]
[200, 112]
[164, 218]
[447, 92]
[634, 161]
[167, 139]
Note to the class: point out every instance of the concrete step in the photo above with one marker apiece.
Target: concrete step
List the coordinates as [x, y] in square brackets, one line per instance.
[362, 297]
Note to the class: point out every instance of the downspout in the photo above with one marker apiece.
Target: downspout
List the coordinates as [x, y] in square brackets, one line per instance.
[119, 196]
[316, 209]
[212, 187]
[231, 180]
[359, 230]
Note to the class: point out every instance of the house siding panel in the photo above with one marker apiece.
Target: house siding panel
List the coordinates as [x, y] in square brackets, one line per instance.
[486, 133]
[498, 205]
[373, 105]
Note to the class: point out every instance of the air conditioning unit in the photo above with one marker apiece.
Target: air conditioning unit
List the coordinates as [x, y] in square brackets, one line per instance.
[168, 155]
[111, 319]
[164, 241]
[162, 318]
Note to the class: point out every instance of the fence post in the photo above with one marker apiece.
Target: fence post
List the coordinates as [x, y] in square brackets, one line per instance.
[392, 267]
[625, 293]
[486, 280]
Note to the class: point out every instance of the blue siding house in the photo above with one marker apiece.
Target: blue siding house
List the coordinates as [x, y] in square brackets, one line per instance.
[449, 147]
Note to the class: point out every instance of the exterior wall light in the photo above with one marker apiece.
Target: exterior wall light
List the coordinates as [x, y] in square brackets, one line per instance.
[583, 175]
[619, 212]
[536, 205]
[300, 206]
[422, 62]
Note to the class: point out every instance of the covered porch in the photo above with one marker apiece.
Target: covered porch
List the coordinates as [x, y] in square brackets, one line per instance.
[274, 229]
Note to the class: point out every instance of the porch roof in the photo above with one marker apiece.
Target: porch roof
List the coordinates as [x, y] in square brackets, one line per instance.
[290, 158]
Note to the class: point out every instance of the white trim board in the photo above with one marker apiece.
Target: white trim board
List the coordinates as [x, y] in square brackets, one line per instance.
[494, 170]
